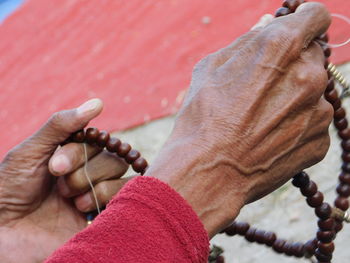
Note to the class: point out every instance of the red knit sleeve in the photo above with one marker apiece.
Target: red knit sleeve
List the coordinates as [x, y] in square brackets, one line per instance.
[146, 222]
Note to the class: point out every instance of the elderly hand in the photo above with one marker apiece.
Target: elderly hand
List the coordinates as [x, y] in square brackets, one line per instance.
[34, 218]
[254, 117]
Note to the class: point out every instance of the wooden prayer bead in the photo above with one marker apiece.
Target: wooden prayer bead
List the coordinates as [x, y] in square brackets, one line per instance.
[309, 190]
[298, 249]
[330, 85]
[326, 225]
[346, 145]
[278, 246]
[341, 203]
[288, 249]
[113, 144]
[78, 137]
[339, 114]
[341, 124]
[310, 247]
[282, 11]
[344, 134]
[323, 211]
[270, 238]
[343, 190]
[291, 5]
[260, 236]
[132, 156]
[326, 248]
[315, 200]
[102, 139]
[331, 96]
[337, 104]
[322, 257]
[301, 180]
[92, 135]
[231, 230]
[123, 149]
[250, 235]
[325, 236]
[140, 165]
[346, 157]
[242, 228]
[327, 52]
[220, 259]
[346, 167]
[345, 178]
[338, 226]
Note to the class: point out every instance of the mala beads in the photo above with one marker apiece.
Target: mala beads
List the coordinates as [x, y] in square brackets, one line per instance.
[330, 219]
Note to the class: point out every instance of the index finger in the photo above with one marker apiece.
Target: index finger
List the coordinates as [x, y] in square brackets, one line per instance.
[299, 29]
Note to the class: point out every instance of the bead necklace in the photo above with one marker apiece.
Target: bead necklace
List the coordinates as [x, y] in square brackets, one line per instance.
[330, 219]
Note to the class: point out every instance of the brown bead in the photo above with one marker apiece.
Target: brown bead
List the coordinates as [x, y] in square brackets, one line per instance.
[309, 190]
[336, 105]
[250, 235]
[346, 157]
[113, 144]
[326, 248]
[231, 230]
[315, 200]
[325, 236]
[301, 180]
[220, 259]
[92, 135]
[260, 236]
[344, 134]
[327, 52]
[132, 156]
[102, 139]
[324, 37]
[339, 114]
[338, 226]
[322, 257]
[343, 190]
[326, 225]
[270, 238]
[323, 211]
[242, 228]
[292, 5]
[278, 246]
[346, 167]
[140, 165]
[341, 124]
[330, 85]
[288, 249]
[310, 247]
[298, 249]
[331, 96]
[345, 178]
[282, 11]
[346, 145]
[123, 149]
[78, 136]
[341, 203]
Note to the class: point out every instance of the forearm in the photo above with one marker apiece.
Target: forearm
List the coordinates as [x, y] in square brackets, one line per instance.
[146, 222]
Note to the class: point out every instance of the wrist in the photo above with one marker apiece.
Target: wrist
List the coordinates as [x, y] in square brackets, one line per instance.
[206, 181]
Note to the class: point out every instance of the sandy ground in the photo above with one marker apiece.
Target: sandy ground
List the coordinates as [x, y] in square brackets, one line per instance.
[284, 211]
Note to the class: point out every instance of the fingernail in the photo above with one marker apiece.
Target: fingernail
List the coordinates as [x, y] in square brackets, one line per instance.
[84, 203]
[89, 106]
[62, 187]
[60, 164]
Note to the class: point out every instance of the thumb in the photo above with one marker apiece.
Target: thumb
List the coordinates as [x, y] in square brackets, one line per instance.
[63, 123]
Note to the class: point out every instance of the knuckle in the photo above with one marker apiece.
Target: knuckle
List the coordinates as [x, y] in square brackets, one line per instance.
[76, 182]
[102, 191]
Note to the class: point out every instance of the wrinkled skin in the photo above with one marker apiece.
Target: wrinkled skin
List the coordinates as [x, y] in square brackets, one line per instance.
[35, 218]
[254, 116]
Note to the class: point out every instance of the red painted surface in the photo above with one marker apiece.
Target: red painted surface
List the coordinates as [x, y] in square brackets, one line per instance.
[136, 55]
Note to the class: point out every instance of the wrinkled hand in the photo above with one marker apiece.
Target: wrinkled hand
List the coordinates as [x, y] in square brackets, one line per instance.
[34, 218]
[254, 117]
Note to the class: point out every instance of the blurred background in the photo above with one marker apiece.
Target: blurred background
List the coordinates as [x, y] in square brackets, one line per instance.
[137, 56]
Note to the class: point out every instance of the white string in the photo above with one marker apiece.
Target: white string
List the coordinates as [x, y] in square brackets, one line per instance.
[347, 20]
[89, 180]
